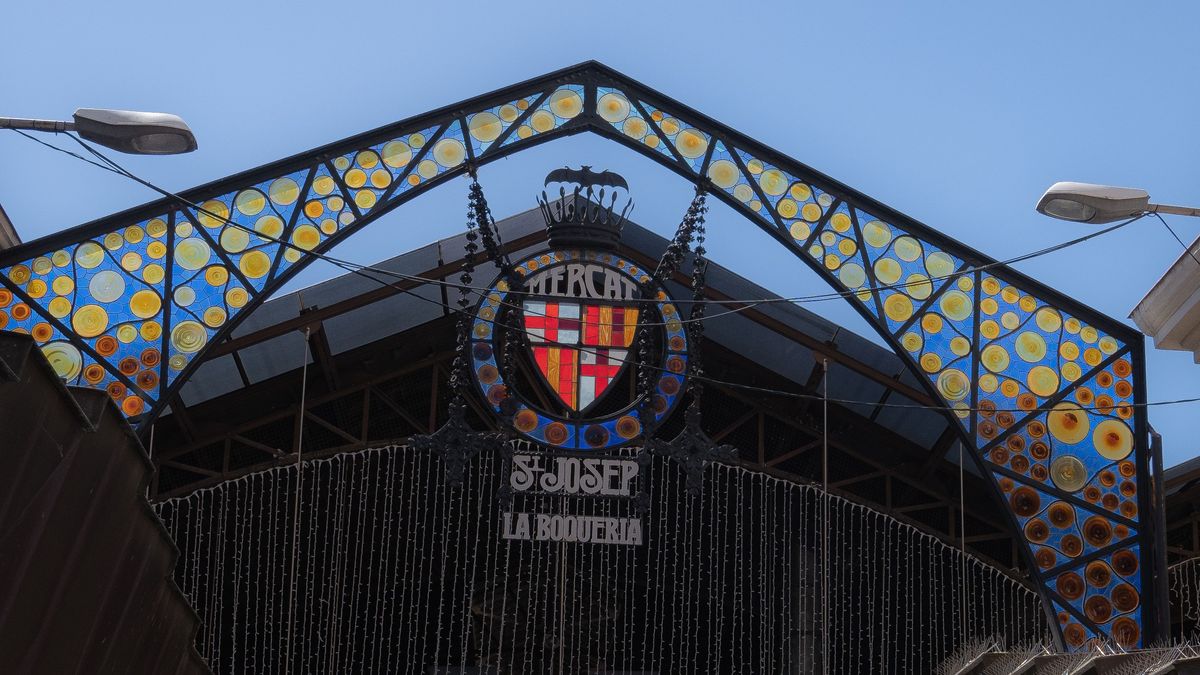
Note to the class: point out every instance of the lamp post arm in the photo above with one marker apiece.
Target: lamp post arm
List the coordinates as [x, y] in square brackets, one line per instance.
[36, 125]
[1174, 210]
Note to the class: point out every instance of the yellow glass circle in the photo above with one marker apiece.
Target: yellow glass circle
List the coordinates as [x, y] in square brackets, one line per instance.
[63, 285]
[396, 154]
[995, 358]
[255, 264]
[1031, 347]
[89, 321]
[1108, 345]
[131, 262]
[365, 199]
[323, 185]
[828, 238]
[691, 143]
[61, 258]
[88, 255]
[1027, 303]
[36, 288]
[773, 182]
[800, 192]
[887, 271]
[150, 330]
[106, 286]
[1010, 320]
[269, 226]
[367, 159]
[852, 275]
[1048, 319]
[840, 222]
[787, 208]
[291, 255]
[743, 192]
[133, 235]
[1071, 371]
[907, 248]
[932, 323]
[613, 107]
[832, 261]
[188, 336]
[965, 283]
[234, 239]
[636, 127]
[449, 152]
[931, 363]
[214, 317]
[64, 358]
[800, 231]
[183, 229]
[236, 297]
[542, 121]
[955, 304]
[988, 382]
[898, 307]
[877, 234]
[918, 286]
[216, 275]
[60, 307]
[1092, 356]
[250, 202]
[723, 173]
[1071, 325]
[355, 178]
[669, 125]
[157, 227]
[755, 166]
[427, 168]
[112, 242]
[912, 341]
[284, 191]
[153, 273]
[953, 384]
[184, 296]
[1042, 381]
[1068, 422]
[960, 346]
[329, 226]
[1088, 334]
[145, 304]
[306, 237]
[192, 253]
[1113, 440]
[566, 103]
[811, 212]
[380, 178]
[989, 329]
[213, 214]
[509, 112]
[156, 249]
[939, 264]
[847, 247]
[417, 140]
[1009, 388]
[126, 333]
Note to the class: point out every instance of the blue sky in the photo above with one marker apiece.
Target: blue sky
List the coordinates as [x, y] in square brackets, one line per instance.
[956, 114]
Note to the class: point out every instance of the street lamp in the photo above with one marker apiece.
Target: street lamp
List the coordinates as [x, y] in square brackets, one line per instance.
[1097, 204]
[138, 133]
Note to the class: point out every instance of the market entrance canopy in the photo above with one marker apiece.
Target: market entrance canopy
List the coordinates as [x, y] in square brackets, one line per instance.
[1043, 388]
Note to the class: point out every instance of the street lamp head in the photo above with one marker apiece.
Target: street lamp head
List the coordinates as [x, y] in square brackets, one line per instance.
[139, 133]
[1087, 203]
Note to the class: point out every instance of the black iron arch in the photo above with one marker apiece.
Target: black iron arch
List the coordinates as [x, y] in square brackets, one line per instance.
[1045, 390]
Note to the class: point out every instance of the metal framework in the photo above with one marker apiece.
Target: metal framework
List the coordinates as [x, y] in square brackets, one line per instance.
[1043, 389]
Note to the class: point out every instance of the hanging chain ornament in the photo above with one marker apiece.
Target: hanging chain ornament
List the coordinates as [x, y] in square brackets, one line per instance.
[456, 442]
[692, 448]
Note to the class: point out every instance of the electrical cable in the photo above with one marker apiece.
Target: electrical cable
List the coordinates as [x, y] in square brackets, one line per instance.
[1187, 249]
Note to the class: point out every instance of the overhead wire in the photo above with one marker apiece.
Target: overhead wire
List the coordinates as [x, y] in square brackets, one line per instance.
[364, 270]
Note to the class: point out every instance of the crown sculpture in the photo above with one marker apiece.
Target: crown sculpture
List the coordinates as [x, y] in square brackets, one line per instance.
[579, 218]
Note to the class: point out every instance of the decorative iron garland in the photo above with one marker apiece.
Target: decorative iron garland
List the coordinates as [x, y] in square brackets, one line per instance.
[691, 447]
